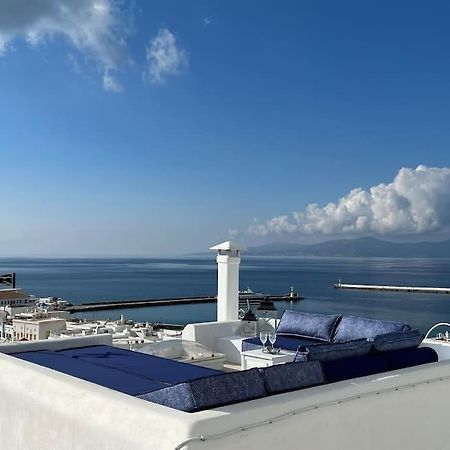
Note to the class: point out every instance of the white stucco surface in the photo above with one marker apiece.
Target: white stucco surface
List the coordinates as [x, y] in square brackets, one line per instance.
[227, 287]
[44, 409]
[207, 333]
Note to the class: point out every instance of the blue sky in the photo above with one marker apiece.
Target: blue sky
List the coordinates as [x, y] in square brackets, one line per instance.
[246, 110]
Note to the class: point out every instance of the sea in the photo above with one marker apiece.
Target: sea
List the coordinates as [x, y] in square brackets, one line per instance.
[98, 279]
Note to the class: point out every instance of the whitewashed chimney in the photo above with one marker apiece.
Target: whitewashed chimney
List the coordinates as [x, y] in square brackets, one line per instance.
[228, 259]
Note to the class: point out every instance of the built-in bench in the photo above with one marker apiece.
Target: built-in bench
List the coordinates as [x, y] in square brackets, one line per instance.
[191, 388]
[227, 388]
[328, 348]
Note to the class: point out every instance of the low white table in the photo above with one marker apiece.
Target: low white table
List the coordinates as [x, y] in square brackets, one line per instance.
[256, 358]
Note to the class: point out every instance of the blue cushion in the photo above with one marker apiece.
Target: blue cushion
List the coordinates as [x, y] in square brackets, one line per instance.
[351, 328]
[290, 343]
[397, 341]
[149, 366]
[210, 392]
[104, 376]
[316, 326]
[332, 351]
[178, 397]
[122, 370]
[400, 359]
[292, 376]
[348, 368]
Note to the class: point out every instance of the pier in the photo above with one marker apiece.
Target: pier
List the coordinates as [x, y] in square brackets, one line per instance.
[375, 287]
[152, 302]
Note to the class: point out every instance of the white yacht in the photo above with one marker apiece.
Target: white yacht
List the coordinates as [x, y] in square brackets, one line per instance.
[51, 303]
[248, 293]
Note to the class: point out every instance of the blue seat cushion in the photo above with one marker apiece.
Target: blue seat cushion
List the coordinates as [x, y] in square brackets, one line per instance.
[399, 359]
[332, 351]
[355, 367]
[316, 326]
[210, 392]
[397, 341]
[104, 376]
[290, 343]
[292, 376]
[351, 328]
[149, 366]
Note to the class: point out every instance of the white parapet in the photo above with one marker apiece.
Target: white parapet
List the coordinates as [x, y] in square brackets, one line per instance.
[209, 334]
[47, 409]
[228, 261]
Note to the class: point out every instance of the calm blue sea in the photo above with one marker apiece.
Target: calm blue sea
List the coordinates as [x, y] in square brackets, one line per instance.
[84, 280]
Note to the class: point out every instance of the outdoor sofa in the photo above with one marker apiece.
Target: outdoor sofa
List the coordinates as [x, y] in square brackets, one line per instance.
[300, 329]
[191, 388]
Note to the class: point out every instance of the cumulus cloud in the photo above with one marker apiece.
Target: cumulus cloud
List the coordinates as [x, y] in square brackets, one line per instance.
[417, 201]
[95, 28]
[164, 58]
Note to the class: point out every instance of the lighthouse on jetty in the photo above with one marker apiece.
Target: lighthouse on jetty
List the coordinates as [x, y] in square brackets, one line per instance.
[228, 260]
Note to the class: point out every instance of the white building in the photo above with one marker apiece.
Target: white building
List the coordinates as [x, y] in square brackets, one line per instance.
[37, 328]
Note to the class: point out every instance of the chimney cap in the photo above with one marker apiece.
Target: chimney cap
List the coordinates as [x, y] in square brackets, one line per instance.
[227, 245]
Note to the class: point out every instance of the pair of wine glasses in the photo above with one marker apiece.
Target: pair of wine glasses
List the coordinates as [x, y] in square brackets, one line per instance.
[264, 335]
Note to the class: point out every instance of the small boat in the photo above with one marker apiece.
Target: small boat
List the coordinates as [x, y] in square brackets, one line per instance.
[249, 293]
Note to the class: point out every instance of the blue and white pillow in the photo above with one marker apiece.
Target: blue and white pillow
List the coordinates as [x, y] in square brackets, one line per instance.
[315, 326]
[351, 328]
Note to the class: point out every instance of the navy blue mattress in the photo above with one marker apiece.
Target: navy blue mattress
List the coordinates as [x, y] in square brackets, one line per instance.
[122, 370]
[152, 367]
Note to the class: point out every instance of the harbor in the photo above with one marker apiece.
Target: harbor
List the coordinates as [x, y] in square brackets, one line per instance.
[153, 302]
[270, 276]
[376, 287]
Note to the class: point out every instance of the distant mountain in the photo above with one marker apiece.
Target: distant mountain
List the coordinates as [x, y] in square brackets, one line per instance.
[362, 247]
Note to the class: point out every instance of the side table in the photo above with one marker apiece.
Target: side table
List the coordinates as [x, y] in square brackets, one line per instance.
[256, 358]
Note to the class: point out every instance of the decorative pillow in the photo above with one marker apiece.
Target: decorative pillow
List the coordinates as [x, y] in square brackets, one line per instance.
[351, 328]
[210, 392]
[330, 352]
[397, 341]
[291, 376]
[317, 326]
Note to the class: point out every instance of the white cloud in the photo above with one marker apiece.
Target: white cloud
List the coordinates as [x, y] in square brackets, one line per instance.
[110, 84]
[94, 28]
[164, 58]
[417, 201]
[207, 21]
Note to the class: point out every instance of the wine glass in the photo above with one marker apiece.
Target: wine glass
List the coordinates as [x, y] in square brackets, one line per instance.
[272, 338]
[263, 339]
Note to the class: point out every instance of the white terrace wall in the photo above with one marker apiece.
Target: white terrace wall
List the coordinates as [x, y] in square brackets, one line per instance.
[44, 409]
